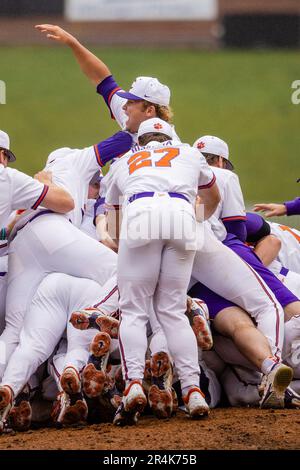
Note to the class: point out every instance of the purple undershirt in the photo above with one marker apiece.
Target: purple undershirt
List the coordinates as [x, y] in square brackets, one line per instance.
[114, 146]
[293, 207]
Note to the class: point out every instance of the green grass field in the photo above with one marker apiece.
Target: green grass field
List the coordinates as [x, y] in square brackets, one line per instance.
[243, 97]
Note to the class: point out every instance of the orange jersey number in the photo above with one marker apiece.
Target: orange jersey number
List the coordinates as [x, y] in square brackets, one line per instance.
[143, 159]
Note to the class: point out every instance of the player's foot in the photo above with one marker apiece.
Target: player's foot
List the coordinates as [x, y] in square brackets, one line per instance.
[276, 384]
[21, 413]
[291, 398]
[70, 381]
[69, 409]
[133, 403]
[94, 374]
[160, 395]
[94, 318]
[6, 400]
[195, 404]
[199, 320]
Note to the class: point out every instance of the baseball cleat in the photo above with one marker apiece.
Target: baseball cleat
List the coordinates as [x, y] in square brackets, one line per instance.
[94, 318]
[70, 381]
[6, 399]
[133, 403]
[291, 398]
[160, 395]
[21, 413]
[69, 409]
[195, 404]
[94, 374]
[199, 320]
[276, 384]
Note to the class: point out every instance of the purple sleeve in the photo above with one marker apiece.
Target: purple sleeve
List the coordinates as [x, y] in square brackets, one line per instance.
[107, 88]
[99, 208]
[256, 227]
[113, 147]
[293, 207]
[237, 228]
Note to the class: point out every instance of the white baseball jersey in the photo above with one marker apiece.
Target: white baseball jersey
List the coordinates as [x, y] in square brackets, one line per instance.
[158, 167]
[72, 169]
[18, 191]
[289, 254]
[231, 206]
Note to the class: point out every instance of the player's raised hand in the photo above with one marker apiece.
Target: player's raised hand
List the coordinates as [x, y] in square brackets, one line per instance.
[270, 210]
[56, 33]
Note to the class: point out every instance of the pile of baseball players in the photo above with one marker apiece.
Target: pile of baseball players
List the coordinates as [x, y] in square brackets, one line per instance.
[147, 289]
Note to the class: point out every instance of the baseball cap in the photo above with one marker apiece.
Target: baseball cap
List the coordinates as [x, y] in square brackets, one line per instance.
[4, 144]
[155, 125]
[149, 89]
[214, 145]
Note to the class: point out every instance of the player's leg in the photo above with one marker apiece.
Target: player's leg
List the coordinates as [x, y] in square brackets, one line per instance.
[43, 326]
[49, 244]
[138, 271]
[170, 305]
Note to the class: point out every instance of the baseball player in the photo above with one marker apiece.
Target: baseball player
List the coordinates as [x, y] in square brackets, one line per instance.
[273, 210]
[21, 191]
[42, 242]
[216, 152]
[234, 323]
[148, 180]
[231, 209]
[57, 296]
[146, 99]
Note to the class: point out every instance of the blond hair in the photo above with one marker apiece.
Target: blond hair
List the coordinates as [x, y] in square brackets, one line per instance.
[162, 112]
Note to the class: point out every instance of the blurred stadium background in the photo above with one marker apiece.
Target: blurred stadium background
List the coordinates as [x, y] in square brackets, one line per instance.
[230, 65]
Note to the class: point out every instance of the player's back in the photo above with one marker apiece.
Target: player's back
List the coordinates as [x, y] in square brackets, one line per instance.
[161, 167]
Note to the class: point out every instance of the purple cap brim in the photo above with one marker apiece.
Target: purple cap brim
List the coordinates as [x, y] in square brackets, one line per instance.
[128, 96]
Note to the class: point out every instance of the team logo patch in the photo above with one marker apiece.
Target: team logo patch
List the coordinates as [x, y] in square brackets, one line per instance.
[200, 145]
[157, 126]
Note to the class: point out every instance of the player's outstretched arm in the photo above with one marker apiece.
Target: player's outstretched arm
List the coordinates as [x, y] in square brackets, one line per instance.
[270, 210]
[57, 199]
[95, 70]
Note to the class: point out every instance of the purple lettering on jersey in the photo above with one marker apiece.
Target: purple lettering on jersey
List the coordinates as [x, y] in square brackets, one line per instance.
[293, 207]
[113, 147]
[282, 293]
[107, 88]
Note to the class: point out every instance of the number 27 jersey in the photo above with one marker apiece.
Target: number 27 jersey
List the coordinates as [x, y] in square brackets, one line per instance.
[158, 167]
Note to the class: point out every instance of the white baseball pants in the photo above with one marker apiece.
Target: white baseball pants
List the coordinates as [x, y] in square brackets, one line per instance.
[57, 296]
[222, 271]
[49, 244]
[158, 270]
